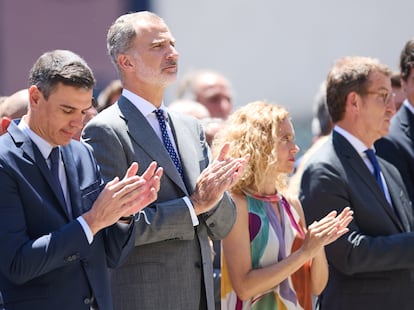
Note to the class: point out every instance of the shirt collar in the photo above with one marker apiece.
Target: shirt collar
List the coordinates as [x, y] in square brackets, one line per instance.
[358, 145]
[408, 105]
[44, 146]
[144, 106]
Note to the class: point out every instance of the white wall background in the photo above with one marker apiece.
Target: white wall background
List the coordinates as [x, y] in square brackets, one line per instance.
[281, 50]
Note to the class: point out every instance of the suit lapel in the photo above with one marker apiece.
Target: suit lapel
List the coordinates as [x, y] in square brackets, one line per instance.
[406, 118]
[32, 153]
[188, 155]
[143, 134]
[346, 151]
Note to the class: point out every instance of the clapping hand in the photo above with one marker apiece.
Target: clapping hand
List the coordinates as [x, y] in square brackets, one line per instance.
[327, 230]
[124, 197]
[218, 177]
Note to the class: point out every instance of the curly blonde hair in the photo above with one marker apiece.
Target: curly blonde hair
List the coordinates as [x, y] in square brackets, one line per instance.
[254, 129]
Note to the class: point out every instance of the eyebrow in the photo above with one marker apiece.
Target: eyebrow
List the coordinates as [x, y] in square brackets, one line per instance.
[162, 40]
[384, 88]
[74, 108]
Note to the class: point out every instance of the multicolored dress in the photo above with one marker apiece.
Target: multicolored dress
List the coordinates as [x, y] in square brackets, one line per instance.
[271, 241]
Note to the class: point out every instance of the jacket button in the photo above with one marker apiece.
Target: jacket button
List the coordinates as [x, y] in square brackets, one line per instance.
[87, 301]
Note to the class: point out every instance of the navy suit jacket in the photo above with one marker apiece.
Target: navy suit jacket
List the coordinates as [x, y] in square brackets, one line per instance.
[46, 261]
[398, 147]
[372, 266]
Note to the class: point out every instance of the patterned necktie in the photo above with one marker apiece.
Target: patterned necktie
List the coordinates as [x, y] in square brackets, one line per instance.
[167, 142]
[377, 171]
[54, 158]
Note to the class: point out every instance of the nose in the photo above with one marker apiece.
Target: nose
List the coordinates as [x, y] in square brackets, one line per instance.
[77, 121]
[391, 106]
[173, 53]
[295, 148]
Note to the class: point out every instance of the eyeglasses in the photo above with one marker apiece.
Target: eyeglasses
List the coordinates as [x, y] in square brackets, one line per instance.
[385, 96]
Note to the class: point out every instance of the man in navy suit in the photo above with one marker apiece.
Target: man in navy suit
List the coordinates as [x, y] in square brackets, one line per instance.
[398, 146]
[372, 266]
[59, 232]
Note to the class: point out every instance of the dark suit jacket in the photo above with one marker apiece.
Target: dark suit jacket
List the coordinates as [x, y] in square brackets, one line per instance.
[172, 258]
[46, 261]
[372, 266]
[398, 147]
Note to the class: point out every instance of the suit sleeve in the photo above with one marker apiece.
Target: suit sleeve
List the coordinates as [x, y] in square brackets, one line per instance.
[169, 217]
[371, 244]
[25, 255]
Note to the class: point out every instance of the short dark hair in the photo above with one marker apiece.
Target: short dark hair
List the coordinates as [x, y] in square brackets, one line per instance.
[60, 66]
[407, 59]
[350, 74]
[396, 80]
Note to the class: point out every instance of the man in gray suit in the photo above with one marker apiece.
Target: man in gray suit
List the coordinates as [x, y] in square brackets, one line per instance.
[372, 266]
[170, 267]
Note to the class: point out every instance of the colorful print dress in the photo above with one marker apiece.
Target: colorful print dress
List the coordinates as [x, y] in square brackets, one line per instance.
[271, 241]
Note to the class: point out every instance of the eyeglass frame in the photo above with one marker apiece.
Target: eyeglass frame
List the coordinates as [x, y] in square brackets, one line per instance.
[385, 96]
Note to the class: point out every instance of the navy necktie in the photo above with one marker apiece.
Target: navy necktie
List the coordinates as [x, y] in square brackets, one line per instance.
[167, 142]
[54, 158]
[377, 171]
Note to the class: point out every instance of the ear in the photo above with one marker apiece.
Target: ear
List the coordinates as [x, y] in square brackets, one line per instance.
[5, 122]
[35, 95]
[353, 101]
[124, 62]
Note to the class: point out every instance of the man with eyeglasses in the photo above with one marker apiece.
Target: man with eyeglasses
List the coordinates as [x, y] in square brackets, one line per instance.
[372, 266]
[398, 146]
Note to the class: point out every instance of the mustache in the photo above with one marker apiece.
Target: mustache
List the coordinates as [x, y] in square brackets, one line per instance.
[171, 62]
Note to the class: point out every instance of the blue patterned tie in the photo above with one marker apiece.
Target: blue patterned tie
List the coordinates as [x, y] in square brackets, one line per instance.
[377, 171]
[167, 142]
[54, 158]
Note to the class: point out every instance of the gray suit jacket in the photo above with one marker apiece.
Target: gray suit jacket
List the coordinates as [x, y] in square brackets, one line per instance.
[372, 266]
[170, 267]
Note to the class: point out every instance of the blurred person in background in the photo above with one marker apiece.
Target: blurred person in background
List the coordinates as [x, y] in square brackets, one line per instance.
[109, 95]
[13, 107]
[190, 107]
[321, 128]
[398, 146]
[211, 89]
[400, 94]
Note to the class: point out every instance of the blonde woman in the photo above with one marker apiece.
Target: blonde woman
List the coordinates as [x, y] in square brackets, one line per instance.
[271, 260]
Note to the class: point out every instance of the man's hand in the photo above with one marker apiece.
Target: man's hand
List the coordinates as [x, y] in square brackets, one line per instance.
[124, 197]
[218, 177]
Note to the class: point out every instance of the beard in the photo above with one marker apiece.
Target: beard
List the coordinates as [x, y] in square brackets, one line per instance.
[155, 76]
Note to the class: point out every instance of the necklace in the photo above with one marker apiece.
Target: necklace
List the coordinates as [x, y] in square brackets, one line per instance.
[267, 198]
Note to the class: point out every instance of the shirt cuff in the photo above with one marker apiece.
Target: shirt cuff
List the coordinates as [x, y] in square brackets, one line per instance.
[194, 217]
[86, 229]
